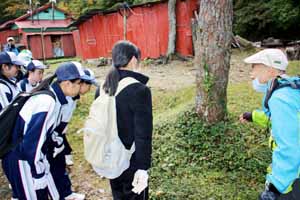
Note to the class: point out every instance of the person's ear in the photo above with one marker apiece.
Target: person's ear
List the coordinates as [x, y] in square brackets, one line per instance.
[5, 67]
[134, 62]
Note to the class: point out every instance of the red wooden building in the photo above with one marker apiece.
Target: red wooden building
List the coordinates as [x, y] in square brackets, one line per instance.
[147, 27]
[45, 32]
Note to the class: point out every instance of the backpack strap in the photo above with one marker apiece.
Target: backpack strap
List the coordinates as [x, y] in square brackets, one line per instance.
[4, 98]
[6, 84]
[124, 83]
[23, 85]
[275, 85]
[47, 92]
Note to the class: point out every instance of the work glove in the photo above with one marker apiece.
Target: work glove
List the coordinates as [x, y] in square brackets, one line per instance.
[69, 160]
[246, 117]
[140, 181]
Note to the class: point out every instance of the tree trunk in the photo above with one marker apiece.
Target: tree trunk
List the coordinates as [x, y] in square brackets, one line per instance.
[212, 58]
[194, 26]
[172, 29]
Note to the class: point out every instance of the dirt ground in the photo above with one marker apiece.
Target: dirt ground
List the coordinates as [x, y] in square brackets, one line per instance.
[172, 76]
[178, 74]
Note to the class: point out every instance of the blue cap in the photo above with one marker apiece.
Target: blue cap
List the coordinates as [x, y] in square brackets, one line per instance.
[10, 58]
[69, 71]
[89, 77]
[35, 64]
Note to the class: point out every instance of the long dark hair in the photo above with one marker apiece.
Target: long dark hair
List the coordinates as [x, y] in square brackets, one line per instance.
[122, 53]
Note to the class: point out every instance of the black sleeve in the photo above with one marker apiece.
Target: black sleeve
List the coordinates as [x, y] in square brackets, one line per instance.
[97, 93]
[143, 126]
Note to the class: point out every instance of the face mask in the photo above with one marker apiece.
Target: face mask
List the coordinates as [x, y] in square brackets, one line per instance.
[259, 87]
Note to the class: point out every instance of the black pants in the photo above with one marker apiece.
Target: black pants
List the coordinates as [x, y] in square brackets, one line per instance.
[121, 187]
[294, 194]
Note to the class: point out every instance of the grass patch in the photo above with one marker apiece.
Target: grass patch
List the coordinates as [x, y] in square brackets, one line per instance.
[60, 60]
[225, 161]
[167, 104]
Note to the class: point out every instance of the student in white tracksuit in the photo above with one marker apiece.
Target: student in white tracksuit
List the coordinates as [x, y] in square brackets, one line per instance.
[27, 167]
[35, 73]
[9, 68]
[62, 154]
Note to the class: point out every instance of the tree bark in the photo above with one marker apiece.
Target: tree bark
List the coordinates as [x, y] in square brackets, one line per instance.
[212, 58]
[172, 29]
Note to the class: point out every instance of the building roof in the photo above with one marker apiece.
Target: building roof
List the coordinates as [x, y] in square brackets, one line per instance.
[51, 33]
[38, 24]
[90, 13]
[43, 23]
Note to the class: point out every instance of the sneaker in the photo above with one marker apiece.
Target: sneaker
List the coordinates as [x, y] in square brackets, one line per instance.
[75, 196]
[14, 199]
[69, 160]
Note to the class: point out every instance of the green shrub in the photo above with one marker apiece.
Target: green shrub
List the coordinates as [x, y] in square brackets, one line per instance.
[191, 158]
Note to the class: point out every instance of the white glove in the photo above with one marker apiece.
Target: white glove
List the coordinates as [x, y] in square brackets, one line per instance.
[69, 160]
[140, 181]
[40, 183]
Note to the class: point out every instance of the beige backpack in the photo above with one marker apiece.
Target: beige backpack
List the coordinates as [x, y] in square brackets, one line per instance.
[103, 148]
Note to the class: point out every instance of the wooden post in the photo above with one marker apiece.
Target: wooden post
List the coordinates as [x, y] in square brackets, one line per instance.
[125, 25]
[43, 43]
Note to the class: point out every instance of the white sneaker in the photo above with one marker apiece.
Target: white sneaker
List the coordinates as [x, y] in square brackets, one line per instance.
[14, 199]
[69, 160]
[75, 196]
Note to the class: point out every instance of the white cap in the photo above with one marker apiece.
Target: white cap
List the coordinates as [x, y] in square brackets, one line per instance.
[26, 56]
[89, 77]
[79, 68]
[10, 38]
[15, 59]
[270, 57]
[36, 64]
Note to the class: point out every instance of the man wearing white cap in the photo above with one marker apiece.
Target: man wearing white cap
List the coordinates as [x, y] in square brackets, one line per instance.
[10, 46]
[280, 111]
[35, 72]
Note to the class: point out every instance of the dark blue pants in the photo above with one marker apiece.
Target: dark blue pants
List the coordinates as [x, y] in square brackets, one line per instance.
[19, 177]
[60, 175]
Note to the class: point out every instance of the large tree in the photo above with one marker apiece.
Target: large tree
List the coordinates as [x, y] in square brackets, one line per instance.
[212, 58]
[172, 28]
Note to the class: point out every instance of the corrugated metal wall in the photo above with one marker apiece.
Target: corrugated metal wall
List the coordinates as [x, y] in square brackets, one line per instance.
[35, 45]
[185, 12]
[77, 44]
[147, 28]
[68, 45]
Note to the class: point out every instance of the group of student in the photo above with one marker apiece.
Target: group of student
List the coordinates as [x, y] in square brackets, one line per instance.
[36, 167]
